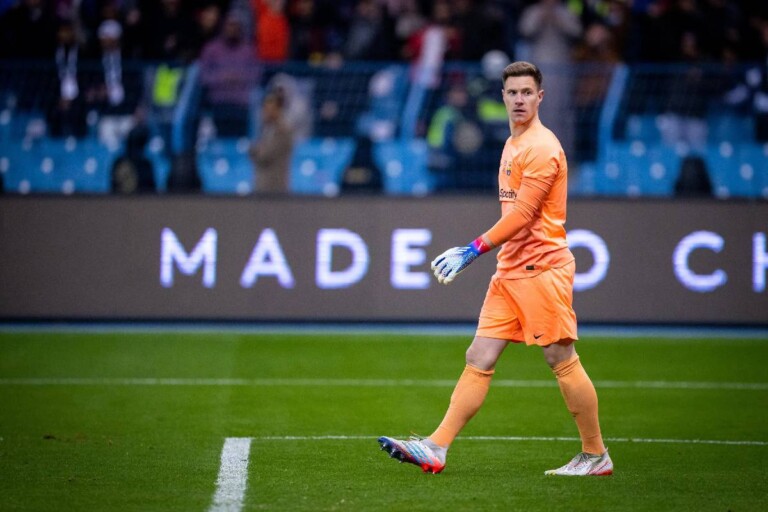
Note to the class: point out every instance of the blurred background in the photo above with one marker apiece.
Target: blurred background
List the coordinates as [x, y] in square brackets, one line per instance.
[304, 160]
[650, 98]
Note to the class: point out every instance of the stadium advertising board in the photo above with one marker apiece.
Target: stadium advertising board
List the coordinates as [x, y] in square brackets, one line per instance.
[363, 258]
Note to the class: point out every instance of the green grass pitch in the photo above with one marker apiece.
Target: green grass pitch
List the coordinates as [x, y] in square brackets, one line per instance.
[136, 421]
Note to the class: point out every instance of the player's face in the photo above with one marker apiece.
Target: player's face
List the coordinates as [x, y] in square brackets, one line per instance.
[522, 98]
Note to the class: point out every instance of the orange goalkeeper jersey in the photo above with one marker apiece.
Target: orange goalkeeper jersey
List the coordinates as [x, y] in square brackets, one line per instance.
[533, 190]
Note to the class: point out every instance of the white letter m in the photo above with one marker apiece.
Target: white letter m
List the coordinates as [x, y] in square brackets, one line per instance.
[204, 254]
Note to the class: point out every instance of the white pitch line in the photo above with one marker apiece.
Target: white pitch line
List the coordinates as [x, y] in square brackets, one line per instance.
[233, 475]
[726, 442]
[277, 382]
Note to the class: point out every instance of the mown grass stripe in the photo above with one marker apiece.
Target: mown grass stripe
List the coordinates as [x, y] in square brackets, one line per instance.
[726, 442]
[287, 382]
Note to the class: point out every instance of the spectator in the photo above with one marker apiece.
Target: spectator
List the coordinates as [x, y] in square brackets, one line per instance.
[297, 103]
[370, 36]
[453, 137]
[479, 28]
[408, 21]
[90, 14]
[597, 54]
[133, 172]
[750, 93]
[308, 38]
[684, 123]
[551, 31]
[113, 93]
[433, 44]
[66, 116]
[228, 74]
[170, 32]
[271, 152]
[273, 32]
[208, 24]
[489, 104]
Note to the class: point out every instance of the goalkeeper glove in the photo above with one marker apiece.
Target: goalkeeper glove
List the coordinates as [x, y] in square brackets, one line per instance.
[449, 264]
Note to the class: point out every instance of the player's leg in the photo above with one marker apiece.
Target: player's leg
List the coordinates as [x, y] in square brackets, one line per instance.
[471, 389]
[467, 398]
[545, 303]
[495, 324]
[578, 392]
[581, 399]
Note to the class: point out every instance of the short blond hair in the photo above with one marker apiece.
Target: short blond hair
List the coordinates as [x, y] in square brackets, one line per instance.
[522, 68]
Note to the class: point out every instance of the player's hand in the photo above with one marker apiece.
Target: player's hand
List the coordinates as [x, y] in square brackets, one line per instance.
[449, 264]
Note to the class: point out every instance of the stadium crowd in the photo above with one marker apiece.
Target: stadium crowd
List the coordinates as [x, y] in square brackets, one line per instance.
[317, 30]
[96, 50]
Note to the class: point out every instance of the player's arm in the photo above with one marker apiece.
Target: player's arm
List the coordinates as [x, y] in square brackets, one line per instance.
[530, 197]
[532, 193]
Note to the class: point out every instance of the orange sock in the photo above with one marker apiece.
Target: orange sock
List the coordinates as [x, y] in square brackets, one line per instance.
[581, 400]
[466, 400]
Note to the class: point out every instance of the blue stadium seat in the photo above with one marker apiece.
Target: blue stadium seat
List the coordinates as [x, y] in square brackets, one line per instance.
[636, 168]
[403, 166]
[643, 127]
[730, 128]
[57, 166]
[756, 156]
[318, 165]
[22, 170]
[738, 170]
[225, 167]
[6, 118]
[582, 182]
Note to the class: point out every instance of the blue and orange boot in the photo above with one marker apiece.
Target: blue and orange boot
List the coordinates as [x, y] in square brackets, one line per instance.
[421, 452]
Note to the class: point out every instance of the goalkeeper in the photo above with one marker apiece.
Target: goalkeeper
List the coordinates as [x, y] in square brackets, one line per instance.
[530, 296]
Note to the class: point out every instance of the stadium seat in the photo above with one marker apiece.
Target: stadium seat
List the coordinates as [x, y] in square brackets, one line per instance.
[735, 169]
[756, 156]
[403, 166]
[225, 167]
[6, 117]
[730, 128]
[643, 127]
[635, 168]
[318, 165]
[57, 166]
[582, 181]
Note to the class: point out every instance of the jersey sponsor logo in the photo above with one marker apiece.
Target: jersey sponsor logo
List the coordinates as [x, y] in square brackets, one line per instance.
[507, 194]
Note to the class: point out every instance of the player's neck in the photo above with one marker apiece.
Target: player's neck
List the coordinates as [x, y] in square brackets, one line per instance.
[519, 129]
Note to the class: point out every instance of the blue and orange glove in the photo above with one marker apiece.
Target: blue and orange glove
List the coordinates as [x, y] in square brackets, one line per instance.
[450, 264]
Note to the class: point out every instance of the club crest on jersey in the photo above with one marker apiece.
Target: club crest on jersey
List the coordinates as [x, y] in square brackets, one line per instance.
[506, 167]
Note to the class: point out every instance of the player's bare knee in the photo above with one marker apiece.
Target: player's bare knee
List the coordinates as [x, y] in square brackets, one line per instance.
[484, 353]
[558, 352]
[479, 360]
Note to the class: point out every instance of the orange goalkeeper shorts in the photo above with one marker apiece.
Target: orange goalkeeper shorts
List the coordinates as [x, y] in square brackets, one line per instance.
[537, 310]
